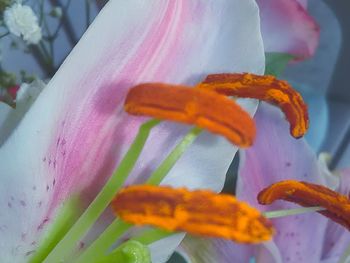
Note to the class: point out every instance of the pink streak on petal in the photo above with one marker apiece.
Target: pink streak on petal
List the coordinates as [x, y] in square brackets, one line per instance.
[100, 121]
[288, 28]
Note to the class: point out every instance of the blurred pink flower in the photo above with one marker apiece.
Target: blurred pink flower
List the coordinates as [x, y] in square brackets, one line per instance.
[287, 27]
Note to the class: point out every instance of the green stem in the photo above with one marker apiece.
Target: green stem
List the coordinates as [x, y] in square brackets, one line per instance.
[290, 212]
[87, 13]
[111, 234]
[158, 175]
[45, 52]
[63, 249]
[100, 246]
[66, 217]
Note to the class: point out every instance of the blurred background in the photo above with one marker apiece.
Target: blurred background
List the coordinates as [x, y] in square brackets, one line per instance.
[323, 79]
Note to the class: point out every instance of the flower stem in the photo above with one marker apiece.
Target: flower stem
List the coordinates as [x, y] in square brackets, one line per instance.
[41, 60]
[63, 249]
[290, 212]
[87, 13]
[67, 24]
[158, 175]
[98, 248]
[109, 236]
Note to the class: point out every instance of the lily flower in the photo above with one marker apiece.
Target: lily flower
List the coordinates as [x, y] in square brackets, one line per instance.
[75, 133]
[304, 237]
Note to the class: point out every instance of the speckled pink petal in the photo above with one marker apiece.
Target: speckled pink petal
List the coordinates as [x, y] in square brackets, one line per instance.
[76, 132]
[287, 27]
[337, 238]
[277, 156]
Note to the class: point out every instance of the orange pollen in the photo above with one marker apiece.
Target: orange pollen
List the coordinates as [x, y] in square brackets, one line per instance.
[199, 212]
[266, 88]
[306, 194]
[203, 108]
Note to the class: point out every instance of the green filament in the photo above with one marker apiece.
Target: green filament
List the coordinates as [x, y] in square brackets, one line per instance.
[100, 246]
[290, 212]
[63, 249]
[158, 175]
[67, 215]
[109, 236]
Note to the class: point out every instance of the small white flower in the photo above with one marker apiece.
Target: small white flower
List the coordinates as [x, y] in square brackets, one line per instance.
[56, 12]
[21, 21]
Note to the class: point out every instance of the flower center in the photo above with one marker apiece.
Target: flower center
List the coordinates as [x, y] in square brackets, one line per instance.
[206, 106]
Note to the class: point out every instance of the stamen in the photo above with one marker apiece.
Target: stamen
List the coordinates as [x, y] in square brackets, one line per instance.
[266, 88]
[337, 206]
[199, 212]
[202, 108]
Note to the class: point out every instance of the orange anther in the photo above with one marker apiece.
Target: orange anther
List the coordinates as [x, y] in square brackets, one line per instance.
[337, 206]
[203, 108]
[199, 212]
[266, 88]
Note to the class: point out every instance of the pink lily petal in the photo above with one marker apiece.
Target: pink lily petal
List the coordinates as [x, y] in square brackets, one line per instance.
[76, 132]
[337, 238]
[303, 3]
[324, 60]
[287, 27]
[224, 251]
[206, 250]
[277, 156]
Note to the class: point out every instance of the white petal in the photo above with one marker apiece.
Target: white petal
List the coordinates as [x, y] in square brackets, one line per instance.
[162, 249]
[75, 133]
